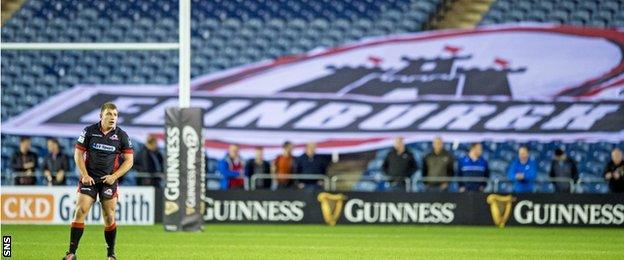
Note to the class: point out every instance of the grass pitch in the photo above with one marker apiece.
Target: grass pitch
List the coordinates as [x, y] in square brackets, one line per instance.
[323, 242]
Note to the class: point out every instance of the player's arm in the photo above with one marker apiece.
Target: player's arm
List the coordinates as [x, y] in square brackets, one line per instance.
[125, 166]
[82, 168]
[79, 153]
[128, 154]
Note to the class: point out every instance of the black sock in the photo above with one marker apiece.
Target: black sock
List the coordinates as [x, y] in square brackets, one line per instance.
[110, 233]
[74, 237]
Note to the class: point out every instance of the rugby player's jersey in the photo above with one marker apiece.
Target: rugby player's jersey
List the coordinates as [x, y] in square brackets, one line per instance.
[103, 151]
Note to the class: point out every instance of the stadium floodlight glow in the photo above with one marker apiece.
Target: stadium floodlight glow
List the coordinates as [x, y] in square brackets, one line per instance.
[183, 46]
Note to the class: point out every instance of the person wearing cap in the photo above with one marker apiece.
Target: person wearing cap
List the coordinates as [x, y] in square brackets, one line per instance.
[562, 167]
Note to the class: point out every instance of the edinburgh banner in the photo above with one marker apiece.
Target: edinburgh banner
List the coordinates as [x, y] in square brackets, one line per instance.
[338, 208]
[500, 83]
[185, 173]
[56, 205]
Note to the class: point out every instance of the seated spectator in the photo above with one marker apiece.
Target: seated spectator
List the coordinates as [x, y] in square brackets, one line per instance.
[284, 165]
[614, 172]
[258, 165]
[438, 163]
[55, 164]
[24, 163]
[522, 171]
[399, 164]
[231, 169]
[149, 160]
[473, 165]
[311, 163]
[562, 167]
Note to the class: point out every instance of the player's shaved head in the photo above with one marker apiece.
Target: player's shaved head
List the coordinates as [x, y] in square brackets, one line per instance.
[107, 105]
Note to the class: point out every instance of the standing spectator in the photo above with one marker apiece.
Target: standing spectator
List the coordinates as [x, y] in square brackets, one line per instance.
[231, 169]
[614, 171]
[438, 163]
[522, 171]
[258, 165]
[55, 164]
[311, 163]
[284, 165]
[399, 164]
[149, 160]
[473, 165]
[24, 163]
[563, 167]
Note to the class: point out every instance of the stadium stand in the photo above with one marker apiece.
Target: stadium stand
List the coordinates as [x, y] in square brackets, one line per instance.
[594, 13]
[226, 34]
[271, 28]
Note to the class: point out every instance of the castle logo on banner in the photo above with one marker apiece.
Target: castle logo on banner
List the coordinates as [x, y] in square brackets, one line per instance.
[503, 82]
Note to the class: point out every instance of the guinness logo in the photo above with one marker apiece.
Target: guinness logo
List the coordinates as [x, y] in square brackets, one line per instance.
[171, 207]
[500, 208]
[331, 206]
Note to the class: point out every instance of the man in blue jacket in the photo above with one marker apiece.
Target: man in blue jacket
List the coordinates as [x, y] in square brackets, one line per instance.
[473, 165]
[231, 169]
[522, 171]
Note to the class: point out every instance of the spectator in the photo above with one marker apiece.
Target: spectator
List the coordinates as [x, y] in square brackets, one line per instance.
[562, 167]
[258, 165]
[149, 160]
[284, 165]
[438, 163]
[311, 163]
[24, 163]
[398, 164]
[231, 169]
[614, 171]
[522, 171]
[55, 164]
[473, 165]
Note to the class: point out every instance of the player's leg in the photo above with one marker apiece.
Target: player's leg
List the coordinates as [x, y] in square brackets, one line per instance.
[110, 227]
[108, 199]
[83, 205]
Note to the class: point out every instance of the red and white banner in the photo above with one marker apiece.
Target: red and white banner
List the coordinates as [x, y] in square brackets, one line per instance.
[524, 82]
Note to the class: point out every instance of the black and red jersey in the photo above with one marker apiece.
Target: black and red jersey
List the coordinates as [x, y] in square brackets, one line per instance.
[103, 151]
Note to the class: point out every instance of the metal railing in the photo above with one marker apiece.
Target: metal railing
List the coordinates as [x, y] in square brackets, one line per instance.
[356, 177]
[296, 176]
[569, 181]
[220, 177]
[331, 184]
[493, 183]
[454, 179]
[12, 175]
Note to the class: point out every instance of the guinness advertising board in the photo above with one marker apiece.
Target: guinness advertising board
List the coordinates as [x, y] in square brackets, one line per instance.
[184, 163]
[337, 208]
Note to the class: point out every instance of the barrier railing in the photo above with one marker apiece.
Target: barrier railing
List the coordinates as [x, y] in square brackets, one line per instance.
[330, 184]
[493, 183]
[274, 177]
[570, 181]
[12, 175]
[219, 177]
[454, 179]
[355, 177]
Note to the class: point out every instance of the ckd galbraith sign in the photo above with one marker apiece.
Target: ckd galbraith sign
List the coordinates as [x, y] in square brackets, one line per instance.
[502, 82]
[56, 205]
[339, 208]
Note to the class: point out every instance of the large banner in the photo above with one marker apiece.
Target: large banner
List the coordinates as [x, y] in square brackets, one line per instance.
[185, 173]
[56, 205]
[505, 82]
[414, 208]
